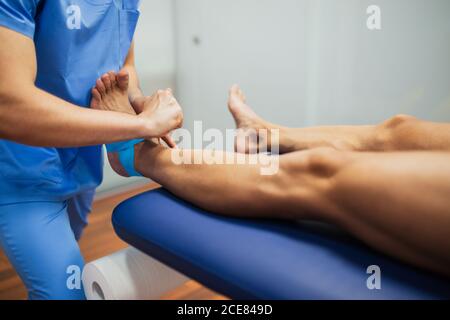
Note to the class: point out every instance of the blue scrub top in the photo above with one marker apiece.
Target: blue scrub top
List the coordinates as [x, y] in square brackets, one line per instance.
[76, 42]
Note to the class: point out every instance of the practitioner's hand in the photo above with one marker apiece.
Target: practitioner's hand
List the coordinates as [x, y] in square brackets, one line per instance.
[163, 113]
[138, 103]
[111, 94]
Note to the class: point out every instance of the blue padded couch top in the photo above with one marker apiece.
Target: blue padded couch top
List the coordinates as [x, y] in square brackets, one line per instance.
[247, 259]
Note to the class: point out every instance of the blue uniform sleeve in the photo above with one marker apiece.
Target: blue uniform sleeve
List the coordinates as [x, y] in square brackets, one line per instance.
[19, 15]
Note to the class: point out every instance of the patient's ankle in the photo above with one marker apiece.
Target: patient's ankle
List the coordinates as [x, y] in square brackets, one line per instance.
[389, 135]
[146, 155]
[114, 161]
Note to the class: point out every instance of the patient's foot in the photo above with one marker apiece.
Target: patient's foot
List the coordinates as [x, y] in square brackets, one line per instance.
[248, 123]
[111, 93]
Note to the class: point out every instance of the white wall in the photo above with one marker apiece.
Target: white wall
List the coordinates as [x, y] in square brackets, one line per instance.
[155, 45]
[301, 62]
[155, 62]
[260, 44]
[308, 62]
[365, 76]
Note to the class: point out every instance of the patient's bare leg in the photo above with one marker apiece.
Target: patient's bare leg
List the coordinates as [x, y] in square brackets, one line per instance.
[241, 189]
[398, 133]
[294, 139]
[395, 202]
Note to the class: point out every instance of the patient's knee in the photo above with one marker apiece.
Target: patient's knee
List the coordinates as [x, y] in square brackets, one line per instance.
[325, 162]
[303, 181]
[398, 121]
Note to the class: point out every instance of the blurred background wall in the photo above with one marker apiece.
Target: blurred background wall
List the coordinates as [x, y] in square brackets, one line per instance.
[300, 62]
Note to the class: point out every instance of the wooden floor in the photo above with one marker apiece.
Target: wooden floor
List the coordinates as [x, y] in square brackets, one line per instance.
[98, 241]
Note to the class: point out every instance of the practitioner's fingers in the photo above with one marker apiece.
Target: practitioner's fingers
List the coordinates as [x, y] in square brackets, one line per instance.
[170, 142]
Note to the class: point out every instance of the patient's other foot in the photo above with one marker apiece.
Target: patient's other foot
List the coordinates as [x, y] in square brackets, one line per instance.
[248, 123]
[111, 93]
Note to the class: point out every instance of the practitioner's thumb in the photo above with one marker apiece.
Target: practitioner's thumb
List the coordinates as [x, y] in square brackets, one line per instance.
[170, 142]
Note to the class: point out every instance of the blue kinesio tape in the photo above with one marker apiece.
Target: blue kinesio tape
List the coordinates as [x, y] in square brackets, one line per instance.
[126, 158]
[125, 150]
[121, 146]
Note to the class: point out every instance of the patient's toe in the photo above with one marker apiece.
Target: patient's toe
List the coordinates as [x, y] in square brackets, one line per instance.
[112, 80]
[107, 82]
[236, 98]
[96, 98]
[123, 80]
[101, 87]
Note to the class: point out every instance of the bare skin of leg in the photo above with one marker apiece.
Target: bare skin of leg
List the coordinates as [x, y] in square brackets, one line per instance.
[248, 122]
[395, 202]
[400, 133]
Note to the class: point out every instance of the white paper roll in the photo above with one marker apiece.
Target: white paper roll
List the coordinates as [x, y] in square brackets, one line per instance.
[129, 275]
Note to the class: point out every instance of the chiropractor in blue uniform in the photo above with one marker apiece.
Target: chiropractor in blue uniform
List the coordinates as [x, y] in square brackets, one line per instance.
[46, 193]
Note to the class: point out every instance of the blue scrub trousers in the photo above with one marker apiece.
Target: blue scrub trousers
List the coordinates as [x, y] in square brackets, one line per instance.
[40, 241]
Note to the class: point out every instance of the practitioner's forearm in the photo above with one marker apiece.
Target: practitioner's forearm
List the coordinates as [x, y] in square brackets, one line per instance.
[41, 119]
[31, 116]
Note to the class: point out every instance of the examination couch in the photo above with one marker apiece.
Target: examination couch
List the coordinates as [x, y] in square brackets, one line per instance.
[249, 259]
